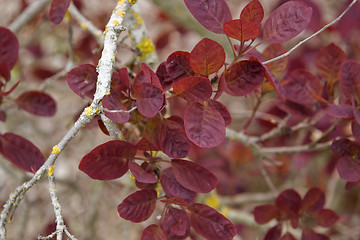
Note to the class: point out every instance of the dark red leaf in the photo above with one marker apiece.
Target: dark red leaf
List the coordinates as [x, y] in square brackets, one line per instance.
[349, 78]
[329, 61]
[204, 125]
[113, 102]
[146, 145]
[210, 224]
[36, 102]
[207, 57]
[348, 169]
[173, 140]
[265, 213]
[172, 187]
[152, 131]
[153, 232]
[301, 87]
[309, 234]
[164, 77]
[178, 65]
[140, 174]
[108, 161]
[274, 50]
[243, 77]
[139, 206]
[193, 176]
[2, 116]
[221, 108]
[58, 9]
[287, 236]
[355, 109]
[289, 202]
[194, 89]
[9, 50]
[21, 152]
[313, 200]
[5, 70]
[212, 14]
[355, 128]
[344, 147]
[149, 99]
[351, 185]
[326, 218]
[340, 111]
[242, 30]
[287, 21]
[120, 80]
[253, 12]
[273, 233]
[275, 82]
[176, 201]
[82, 80]
[146, 75]
[175, 223]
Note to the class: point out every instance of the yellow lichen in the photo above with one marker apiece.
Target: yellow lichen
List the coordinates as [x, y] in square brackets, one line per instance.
[120, 137]
[225, 211]
[138, 18]
[55, 149]
[121, 2]
[113, 58]
[115, 22]
[212, 201]
[107, 93]
[132, 177]
[67, 16]
[146, 47]
[88, 110]
[132, 2]
[106, 30]
[158, 189]
[120, 13]
[83, 25]
[51, 170]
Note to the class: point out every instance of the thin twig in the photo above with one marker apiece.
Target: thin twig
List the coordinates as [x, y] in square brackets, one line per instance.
[313, 35]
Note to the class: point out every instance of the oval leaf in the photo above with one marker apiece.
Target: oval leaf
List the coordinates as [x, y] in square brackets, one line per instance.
[242, 30]
[340, 111]
[193, 176]
[140, 174]
[9, 50]
[349, 78]
[289, 201]
[204, 125]
[287, 21]
[146, 75]
[175, 223]
[149, 99]
[212, 14]
[194, 89]
[326, 218]
[108, 161]
[21, 152]
[153, 232]
[36, 102]
[178, 65]
[139, 206]
[348, 169]
[253, 12]
[313, 201]
[274, 50]
[57, 11]
[265, 213]
[207, 57]
[210, 224]
[221, 108]
[113, 102]
[173, 140]
[82, 80]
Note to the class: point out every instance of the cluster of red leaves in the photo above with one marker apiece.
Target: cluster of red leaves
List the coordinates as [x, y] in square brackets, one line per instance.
[306, 213]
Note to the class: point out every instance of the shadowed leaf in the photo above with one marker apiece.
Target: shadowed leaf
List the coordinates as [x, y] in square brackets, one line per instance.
[57, 11]
[340, 111]
[221, 108]
[265, 213]
[140, 174]
[194, 89]
[82, 80]
[37, 103]
[326, 218]
[175, 223]
[348, 169]
[153, 232]
[113, 102]
[309, 234]
[173, 140]
[9, 50]
[274, 50]
[149, 99]
[313, 200]
[273, 233]
[349, 78]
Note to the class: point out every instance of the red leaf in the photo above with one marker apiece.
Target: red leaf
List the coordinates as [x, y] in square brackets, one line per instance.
[4, 71]
[242, 30]
[287, 236]
[355, 109]
[172, 187]
[149, 99]
[9, 50]
[287, 21]
[275, 82]
[301, 86]
[313, 200]
[289, 202]
[82, 80]
[348, 169]
[265, 213]
[152, 131]
[340, 111]
[329, 61]
[173, 140]
[36, 102]
[2, 116]
[193, 176]
[21, 152]
[194, 89]
[139, 206]
[253, 12]
[273, 233]
[309, 234]
[140, 174]
[164, 77]
[344, 147]
[57, 11]
[146, 145]
[207, 57]
[146, 75]
[210, 224]
[120, 80]
[349, 78]
[212, 14]
[355, 128]
[243, 77]
[274, 50]
[326, 218]
[175, 223]
[178, 65]
[222, 110]
[204, 125]
[108, 161]
[113, 102]
[176, 201]
[153, 232]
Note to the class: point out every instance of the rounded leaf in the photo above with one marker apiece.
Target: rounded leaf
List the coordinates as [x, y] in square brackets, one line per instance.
[349, 78]
[21, 152]
[178, 65]
[207, 57]
[113, 102]
[253, 12]
[209, 223]
[242, 30]
[313, 200]
[140, 174]
[153, 232]
[9, 50]
[58, 9]
[139, 206]
[36, 102]
[175, 223]
[221, 108]
[173, 140]
[265, 213]
[193, 176]
[289, 201]
[146, 75]
[274, 50]
[108, 161]
[194, 89]
[149, 99]
[273, 233]
[326, 218]
[348, 169]
[82, 80]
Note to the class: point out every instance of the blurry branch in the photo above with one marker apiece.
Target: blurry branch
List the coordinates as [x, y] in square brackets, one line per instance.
[245, 198]
[113, 129]
[27, 15]
[313, 35]
[295, 149]
[58, 75]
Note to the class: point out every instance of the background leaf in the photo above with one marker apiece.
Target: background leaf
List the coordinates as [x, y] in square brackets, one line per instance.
[349, 77]
[153, 232]
[175, 223]
[37, 103]
[57, 11]
[9, 50]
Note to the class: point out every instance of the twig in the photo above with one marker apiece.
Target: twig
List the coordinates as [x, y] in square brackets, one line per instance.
[112, 128]
[120, 111]
[27, 15]
[57, 76]
[313, 35]
[265, 175]
[295, 149]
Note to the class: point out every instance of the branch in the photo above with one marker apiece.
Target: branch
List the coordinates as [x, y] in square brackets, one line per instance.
[310, 37]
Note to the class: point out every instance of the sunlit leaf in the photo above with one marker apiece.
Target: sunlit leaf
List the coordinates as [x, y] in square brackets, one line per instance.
[253, 12]
[242, 30]
[194, 89]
